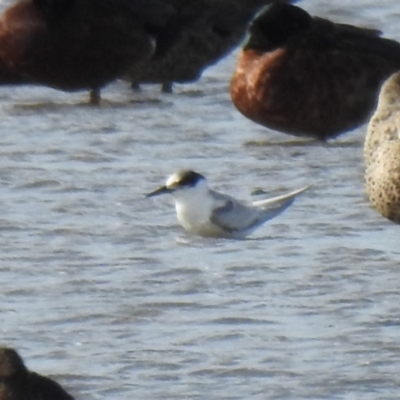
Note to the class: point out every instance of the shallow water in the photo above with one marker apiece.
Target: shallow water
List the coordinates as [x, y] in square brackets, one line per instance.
[103, 290]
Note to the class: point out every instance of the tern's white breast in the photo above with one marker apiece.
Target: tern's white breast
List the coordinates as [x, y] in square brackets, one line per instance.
[193, 213]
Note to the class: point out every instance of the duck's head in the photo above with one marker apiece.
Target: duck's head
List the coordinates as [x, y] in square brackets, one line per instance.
[275, 25]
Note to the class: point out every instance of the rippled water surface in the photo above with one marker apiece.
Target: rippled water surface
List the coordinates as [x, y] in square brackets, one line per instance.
[103, 290]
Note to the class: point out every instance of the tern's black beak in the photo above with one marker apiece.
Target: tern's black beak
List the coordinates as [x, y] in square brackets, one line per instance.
[157, 192]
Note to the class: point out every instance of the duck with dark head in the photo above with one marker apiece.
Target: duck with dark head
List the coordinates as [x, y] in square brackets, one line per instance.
[308, 76]
[75, 45]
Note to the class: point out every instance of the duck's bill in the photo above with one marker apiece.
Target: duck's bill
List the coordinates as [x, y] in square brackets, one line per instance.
[159, 191]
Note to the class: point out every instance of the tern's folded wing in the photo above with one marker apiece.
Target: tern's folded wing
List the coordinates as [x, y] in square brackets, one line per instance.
[240, 219]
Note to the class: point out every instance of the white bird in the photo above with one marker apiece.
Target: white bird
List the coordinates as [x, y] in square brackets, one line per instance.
[208, 213]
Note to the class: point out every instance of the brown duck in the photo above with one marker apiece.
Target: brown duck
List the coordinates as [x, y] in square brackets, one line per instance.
[308, 76]
[76, 45]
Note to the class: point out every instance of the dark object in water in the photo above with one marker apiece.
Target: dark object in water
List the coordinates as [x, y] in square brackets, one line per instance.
[18, 383]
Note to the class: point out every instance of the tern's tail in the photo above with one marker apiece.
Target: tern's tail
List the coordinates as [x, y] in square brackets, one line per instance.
[277, 205]
[280, 199]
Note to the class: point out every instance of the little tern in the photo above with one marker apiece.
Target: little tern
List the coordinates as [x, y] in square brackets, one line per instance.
[208, 213]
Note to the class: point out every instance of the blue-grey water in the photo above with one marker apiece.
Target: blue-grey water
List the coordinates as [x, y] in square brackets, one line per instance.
[103, 290]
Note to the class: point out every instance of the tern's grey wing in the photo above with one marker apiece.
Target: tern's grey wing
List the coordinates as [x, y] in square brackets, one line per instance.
[235, 217]
[240, 219]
